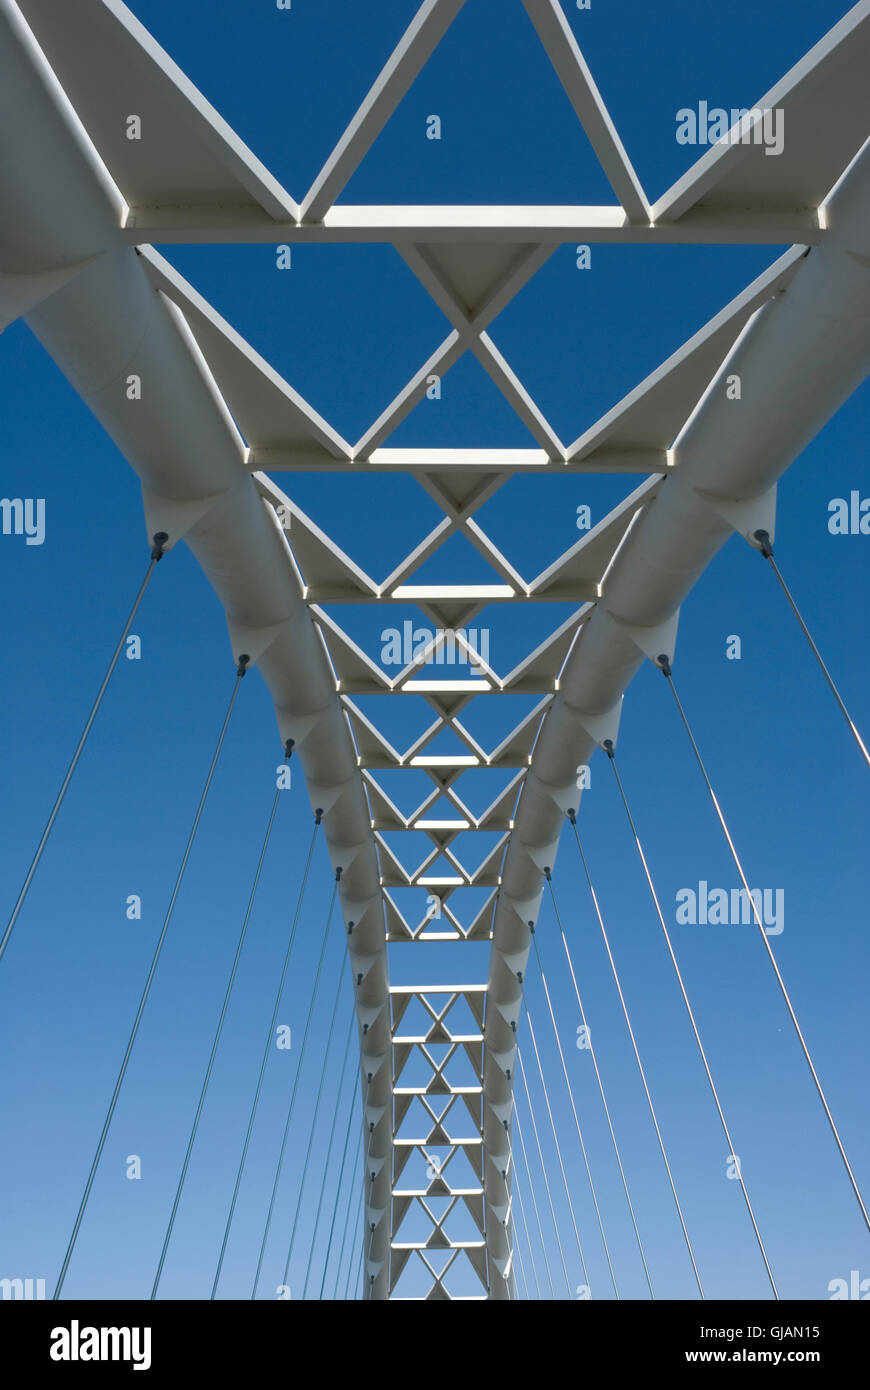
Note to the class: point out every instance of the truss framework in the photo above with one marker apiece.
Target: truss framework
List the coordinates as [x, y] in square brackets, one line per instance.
[194, 181]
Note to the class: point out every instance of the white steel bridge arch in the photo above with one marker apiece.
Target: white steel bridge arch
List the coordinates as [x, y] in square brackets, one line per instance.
[75, 261]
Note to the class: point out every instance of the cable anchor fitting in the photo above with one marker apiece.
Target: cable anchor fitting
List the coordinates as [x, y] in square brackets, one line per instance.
[764, 544]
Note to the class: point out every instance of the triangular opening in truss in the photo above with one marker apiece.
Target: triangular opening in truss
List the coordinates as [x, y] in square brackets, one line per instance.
[508, 131]
[702, 59]
[416, 1022]
[410, 847]
[414, 1281]
[407, 788]
[609, 327]
[466, 903]
[416, 1227]
[479, 788]
[325, 58]
[403, 722]
[456, 562]
[470, 412]
[397, 516]
[441, 868]
[346, 326]
[491, 718]
[447, 743]
[311, 75]
[460, 1019]
[441, 809]
[473, 848]
[462, 1280]
[417, 1123]
[510, 641]
[438, 1206]
[552, 510]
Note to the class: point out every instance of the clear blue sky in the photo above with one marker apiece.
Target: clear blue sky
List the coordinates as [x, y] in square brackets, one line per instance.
[347, 327]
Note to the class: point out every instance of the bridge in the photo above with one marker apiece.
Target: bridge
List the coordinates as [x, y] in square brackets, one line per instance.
[108, 150]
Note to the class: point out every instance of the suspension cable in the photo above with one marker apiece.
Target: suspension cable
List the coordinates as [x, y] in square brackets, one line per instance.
[515, 1188]
[340, 1178]
[534, 1200]
[516, 1246]
[348, 1209]
[608, 748]
[544, 1170]
[313, 1128]
[763, 538]
[295, 1091]
[348, 1203]
[157, 551]
[666, 669]
[240, 671]
[362, 1215]
[318, 815]
[598, 1078]
[359, 1281]
[559, 1151]
[628, 1024]
[288, 748]
[370, 1226]
[568, 1083]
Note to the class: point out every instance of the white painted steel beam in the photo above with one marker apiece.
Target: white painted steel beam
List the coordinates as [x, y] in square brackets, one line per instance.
[490, 224]
[422, 36]
[558, 38]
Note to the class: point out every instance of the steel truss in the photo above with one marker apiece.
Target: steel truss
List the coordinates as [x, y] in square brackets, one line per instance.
[216, 421]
